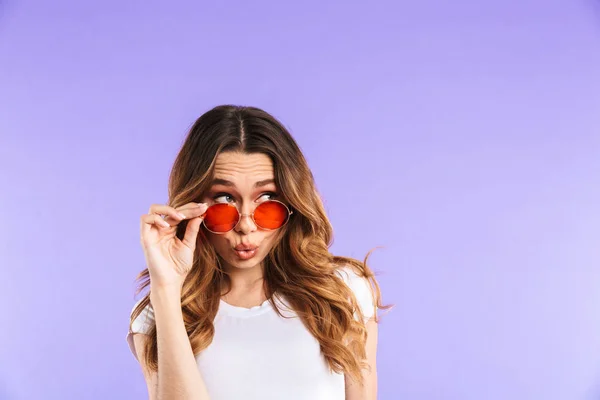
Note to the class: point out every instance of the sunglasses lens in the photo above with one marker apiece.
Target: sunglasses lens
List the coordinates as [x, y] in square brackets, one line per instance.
[271, 215]
[221, 218]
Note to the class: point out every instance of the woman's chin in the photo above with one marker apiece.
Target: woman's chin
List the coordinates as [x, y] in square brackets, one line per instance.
[237, 263]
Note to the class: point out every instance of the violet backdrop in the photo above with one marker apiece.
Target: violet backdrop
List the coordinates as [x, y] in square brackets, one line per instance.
[463, 137]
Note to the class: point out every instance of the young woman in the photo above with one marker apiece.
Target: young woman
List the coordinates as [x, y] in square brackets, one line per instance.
[245, 300]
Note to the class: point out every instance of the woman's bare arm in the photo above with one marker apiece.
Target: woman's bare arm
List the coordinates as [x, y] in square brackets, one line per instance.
[139, 340]
[178, 376]
[169, 260]
[369, 390]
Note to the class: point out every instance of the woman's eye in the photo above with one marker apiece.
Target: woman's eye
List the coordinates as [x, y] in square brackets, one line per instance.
[227, 198]
[222, 195]
[270, 194]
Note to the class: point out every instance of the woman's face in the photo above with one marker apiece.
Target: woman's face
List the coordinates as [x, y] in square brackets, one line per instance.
[244, 180]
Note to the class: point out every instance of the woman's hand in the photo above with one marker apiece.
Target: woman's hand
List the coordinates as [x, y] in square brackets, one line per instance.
[168, 258]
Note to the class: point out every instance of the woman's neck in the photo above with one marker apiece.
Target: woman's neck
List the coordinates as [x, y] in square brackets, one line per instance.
[245, 281]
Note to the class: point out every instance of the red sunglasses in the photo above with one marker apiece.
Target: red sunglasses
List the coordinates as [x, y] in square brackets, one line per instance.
[223, 217]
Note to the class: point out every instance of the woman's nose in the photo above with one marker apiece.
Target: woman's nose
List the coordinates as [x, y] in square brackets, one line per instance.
[246, 224]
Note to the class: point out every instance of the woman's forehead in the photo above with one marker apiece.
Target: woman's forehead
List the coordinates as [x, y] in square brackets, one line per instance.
[236, 160]
[256, 185]
[235, 167]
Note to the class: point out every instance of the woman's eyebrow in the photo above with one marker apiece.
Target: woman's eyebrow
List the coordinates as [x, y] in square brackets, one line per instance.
[225, 182]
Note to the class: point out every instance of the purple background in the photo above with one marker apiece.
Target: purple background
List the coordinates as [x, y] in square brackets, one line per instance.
[464, 137]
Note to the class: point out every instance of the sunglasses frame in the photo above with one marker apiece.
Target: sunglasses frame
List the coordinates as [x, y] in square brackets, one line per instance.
[240, 215]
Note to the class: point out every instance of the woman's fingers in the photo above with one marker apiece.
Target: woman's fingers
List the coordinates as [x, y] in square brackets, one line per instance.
[187, 211]
[150, 220]
[193, 210]
[191, 231]
[168, 211]
[172, 216]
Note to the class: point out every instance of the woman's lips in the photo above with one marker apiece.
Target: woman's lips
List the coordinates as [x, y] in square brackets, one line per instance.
[246, 254]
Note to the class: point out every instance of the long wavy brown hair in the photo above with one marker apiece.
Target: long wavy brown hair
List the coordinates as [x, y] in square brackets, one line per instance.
[299, 267]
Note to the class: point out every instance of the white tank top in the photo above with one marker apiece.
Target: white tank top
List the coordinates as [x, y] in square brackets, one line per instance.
[256, 354]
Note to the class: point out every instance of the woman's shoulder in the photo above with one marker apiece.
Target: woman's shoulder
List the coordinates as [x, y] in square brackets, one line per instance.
[141, 324]
[360, 287]
[143, 321]
[347, 272]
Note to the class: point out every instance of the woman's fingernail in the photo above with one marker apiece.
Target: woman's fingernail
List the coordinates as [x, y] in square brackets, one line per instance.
[165, 223]
[202, 205]
[181, 216]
